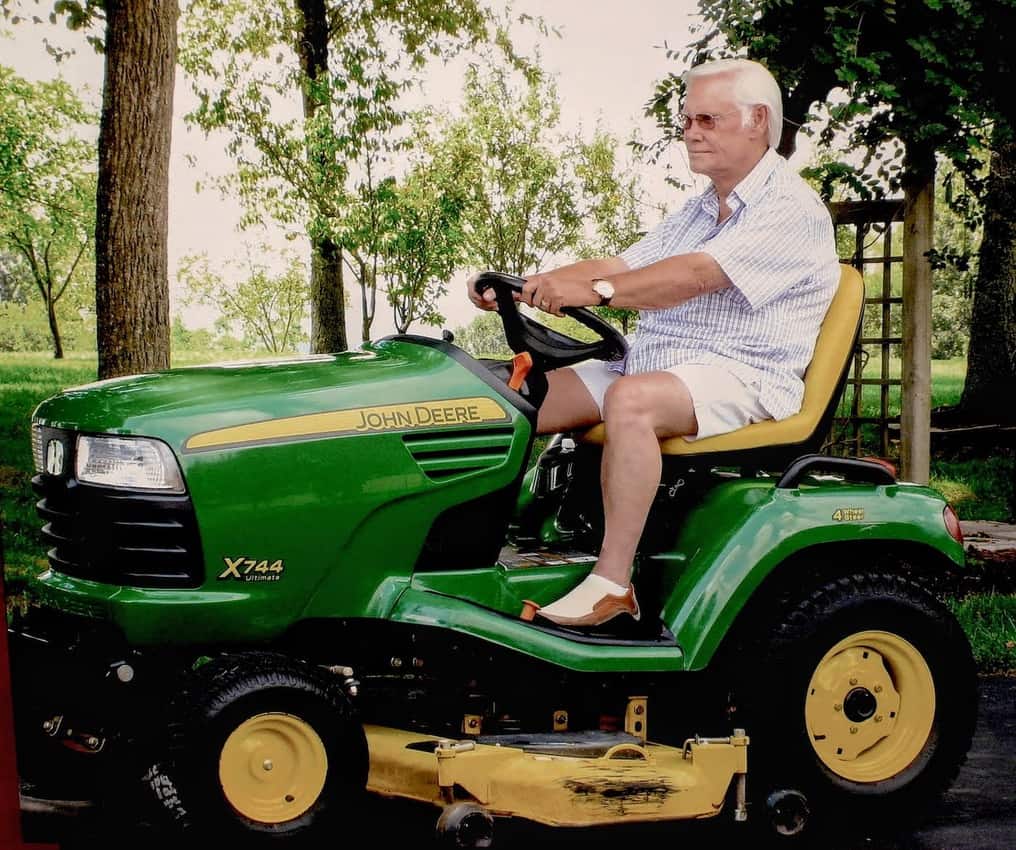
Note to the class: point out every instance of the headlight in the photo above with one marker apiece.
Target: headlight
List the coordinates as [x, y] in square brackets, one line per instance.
[133, 462]
[37, 448]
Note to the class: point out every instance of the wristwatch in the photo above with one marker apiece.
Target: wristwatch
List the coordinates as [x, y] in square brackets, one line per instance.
[605, 289]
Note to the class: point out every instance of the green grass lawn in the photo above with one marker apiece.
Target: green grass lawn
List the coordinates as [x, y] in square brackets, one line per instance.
[980, 488]
[989, 619]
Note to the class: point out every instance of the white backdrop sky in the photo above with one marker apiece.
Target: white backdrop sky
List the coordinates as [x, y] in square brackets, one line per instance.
[608, 57]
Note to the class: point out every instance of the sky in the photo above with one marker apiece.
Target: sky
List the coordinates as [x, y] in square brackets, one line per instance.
[606, 62]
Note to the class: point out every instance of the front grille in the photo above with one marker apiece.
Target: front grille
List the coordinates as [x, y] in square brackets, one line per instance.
[116, 536]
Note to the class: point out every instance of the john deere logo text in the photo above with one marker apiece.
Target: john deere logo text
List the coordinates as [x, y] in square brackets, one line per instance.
[252, 569]
[356, 420]
[418, 416]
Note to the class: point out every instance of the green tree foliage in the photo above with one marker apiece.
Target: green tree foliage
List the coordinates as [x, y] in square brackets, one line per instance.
[616, 210]
[182, 338]
[325, 173]
[484, 336]
[526, 202]
[537, 196]
[425, 236]
[957, 240]
[47, 193]
[266, 309]
[911, 70]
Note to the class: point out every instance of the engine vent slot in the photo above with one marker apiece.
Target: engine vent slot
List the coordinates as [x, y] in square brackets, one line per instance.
[450, 454]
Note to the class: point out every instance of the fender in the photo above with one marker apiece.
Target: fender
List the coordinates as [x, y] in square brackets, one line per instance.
[710, 574]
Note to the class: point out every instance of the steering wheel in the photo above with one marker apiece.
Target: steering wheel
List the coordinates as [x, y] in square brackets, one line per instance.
[549, 348]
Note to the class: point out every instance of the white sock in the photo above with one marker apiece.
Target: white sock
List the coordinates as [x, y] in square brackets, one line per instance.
[580, 600]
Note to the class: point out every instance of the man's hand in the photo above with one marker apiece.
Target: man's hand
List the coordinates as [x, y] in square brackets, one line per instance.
[568, 286]
[554, 290]
[487, 301]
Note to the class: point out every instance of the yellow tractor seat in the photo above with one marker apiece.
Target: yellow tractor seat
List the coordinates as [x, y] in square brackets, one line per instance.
[772, 443]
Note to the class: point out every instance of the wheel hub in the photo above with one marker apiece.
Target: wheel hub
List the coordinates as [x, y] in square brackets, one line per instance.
[273, 768]
[859, 705]
[870, 706]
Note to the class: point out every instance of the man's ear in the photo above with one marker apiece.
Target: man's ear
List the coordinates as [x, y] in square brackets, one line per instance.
[759, 116]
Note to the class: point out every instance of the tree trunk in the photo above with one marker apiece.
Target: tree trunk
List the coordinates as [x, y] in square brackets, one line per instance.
[990, 384]
[368, 292]
[327, 299]
[132, 219]
[54, 329]
[918, 229]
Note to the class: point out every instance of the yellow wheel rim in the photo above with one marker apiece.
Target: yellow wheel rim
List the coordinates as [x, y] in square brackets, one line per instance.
[273, 768]
[870, 706]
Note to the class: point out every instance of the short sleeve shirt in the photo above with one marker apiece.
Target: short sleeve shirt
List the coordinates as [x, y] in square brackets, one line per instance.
[778, 249]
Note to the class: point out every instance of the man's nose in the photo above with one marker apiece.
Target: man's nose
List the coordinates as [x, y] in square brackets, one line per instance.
[694, 131]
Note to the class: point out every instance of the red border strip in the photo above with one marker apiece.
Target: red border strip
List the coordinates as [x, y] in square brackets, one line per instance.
[10, 803]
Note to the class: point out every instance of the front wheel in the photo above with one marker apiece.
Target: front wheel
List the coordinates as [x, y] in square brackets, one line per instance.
[865, 704]
[261, 746]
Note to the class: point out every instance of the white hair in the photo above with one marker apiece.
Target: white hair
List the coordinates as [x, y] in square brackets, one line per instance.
[753, 85]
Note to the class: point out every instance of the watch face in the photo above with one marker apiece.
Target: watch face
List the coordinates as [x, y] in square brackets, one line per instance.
[604, 288]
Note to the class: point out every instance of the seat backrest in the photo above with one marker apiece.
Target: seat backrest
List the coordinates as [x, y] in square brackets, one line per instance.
[772, 443]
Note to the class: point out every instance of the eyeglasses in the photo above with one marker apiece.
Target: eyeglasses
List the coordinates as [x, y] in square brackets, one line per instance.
[705, 120]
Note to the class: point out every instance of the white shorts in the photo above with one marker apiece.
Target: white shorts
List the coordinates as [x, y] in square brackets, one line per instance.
[723, 402]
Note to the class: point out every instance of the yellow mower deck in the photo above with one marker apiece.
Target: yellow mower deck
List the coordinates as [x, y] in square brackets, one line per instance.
[629, 782]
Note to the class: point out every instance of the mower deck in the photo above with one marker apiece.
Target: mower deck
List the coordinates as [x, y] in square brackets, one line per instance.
[566, 779]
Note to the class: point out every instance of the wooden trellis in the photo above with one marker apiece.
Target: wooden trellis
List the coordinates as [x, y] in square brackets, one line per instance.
[874, 247]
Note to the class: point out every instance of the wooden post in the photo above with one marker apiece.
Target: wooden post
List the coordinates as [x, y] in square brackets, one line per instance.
[915, 408]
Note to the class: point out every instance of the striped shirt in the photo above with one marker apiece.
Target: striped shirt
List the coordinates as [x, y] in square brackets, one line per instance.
[778, 249]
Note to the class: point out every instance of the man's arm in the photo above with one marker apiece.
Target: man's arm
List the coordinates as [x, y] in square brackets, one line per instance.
[576, 278]
[666, 283]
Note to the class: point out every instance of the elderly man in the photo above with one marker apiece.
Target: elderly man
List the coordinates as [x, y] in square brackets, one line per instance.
[731, 290]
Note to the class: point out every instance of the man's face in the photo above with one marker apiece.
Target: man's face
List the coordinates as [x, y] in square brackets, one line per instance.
[729, 150]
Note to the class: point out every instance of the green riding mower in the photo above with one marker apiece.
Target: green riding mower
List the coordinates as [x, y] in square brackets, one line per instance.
[277, 587]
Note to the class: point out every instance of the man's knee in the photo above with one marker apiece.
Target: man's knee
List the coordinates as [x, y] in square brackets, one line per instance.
[629, 396]
[658, 400]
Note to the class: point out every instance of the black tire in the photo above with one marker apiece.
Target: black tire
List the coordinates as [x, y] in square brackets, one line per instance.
[864, 701]
[237, 716]
[465, 826]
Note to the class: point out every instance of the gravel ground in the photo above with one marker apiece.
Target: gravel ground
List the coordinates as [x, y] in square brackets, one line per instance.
[978, 813]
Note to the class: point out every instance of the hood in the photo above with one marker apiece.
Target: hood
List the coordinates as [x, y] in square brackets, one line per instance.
[177, 404]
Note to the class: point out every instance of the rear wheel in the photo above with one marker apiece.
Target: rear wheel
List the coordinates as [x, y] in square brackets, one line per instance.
[261, 746]
[864, 704]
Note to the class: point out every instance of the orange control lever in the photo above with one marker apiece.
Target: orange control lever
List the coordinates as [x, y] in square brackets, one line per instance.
[521, 364]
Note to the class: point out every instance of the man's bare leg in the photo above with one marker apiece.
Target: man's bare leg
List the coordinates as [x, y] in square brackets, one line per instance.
[639, 410]
[568, 404]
